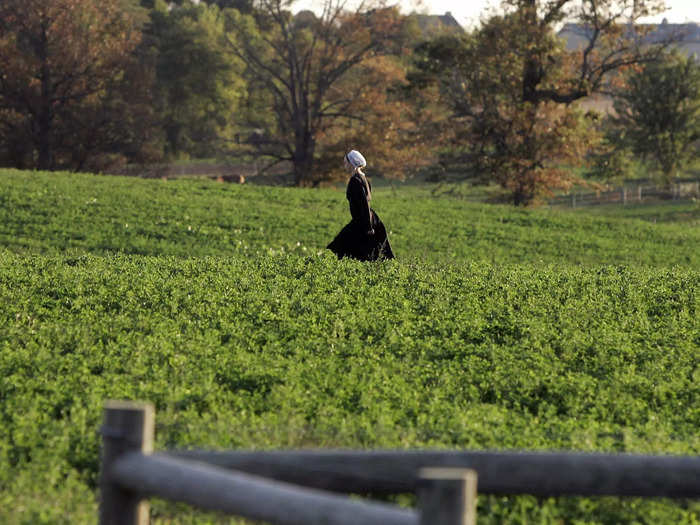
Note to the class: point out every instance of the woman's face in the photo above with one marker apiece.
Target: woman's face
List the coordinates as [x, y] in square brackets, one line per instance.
[347, 165]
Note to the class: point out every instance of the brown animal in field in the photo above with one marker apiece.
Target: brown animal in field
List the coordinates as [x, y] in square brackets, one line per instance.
[240, 179]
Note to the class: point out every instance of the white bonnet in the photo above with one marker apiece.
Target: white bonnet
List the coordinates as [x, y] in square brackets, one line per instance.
[356, 159]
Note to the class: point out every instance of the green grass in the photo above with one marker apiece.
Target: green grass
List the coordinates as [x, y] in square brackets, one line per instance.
[75, 214]
[495, 329]
[684, 213]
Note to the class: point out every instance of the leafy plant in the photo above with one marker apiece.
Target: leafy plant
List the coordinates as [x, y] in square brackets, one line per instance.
[131, 289]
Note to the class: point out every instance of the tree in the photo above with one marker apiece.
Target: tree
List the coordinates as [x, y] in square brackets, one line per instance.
[315, 76]
[198, 80]
[658, 114]
[510, 86]
[385, 122]
[119, 126]
[54, 56]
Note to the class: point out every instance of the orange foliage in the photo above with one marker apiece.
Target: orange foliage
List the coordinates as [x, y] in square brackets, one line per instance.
[511, 83]
[381, 122]
[55, 54]
[334, 82]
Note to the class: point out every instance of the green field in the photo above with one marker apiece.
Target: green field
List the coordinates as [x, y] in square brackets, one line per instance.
[687, 213]
[77, 214]
[495, 328]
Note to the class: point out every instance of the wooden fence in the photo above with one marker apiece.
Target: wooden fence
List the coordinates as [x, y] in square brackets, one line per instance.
[299, 487]
[629, 195]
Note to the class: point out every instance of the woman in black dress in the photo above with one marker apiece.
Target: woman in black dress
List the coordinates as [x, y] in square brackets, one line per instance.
[364, 237]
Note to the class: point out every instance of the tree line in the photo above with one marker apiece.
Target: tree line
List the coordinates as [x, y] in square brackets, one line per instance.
[92, 85]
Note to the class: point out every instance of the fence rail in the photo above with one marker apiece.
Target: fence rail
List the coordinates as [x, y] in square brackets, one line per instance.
[504, 473]
[214, 488]
[629, 195]
[130, 473]
[300, 487]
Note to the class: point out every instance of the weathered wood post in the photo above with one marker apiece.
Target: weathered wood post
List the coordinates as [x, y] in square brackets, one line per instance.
[127, 427]
[447, 496]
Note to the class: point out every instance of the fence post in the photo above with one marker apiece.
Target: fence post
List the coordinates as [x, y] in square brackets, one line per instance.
[447, 496]
[127, 427]
[639, 193]
[624, 196]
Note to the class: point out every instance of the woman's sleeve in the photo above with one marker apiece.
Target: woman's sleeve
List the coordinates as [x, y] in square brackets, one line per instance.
[359, 207]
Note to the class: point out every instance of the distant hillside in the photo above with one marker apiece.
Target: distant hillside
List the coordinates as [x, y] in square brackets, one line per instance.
[576, 35]
[688, 36]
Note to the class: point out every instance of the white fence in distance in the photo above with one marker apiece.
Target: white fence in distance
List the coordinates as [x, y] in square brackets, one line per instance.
[629, 195]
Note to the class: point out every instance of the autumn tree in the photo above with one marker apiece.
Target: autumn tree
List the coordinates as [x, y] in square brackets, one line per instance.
[317, 78]
[119, 126]
[54, 56]
[657, 115]
[510, 86]
[384, 121]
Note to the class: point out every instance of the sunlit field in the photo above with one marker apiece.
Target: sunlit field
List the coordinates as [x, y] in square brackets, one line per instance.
[495, 328]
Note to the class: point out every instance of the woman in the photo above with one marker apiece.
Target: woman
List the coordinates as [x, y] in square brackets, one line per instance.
[364, 238]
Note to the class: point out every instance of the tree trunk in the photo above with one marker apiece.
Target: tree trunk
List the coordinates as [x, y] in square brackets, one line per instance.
[522, 196]
[532, 69]
[304, 160]
[44, 116]
[44, 140]
[668, 170]
[303, 164]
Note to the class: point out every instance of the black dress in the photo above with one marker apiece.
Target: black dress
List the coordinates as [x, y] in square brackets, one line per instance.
[364, 237]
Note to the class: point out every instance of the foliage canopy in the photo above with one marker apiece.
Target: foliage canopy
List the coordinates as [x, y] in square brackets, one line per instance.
[658, 114]
[326, 84]
[511, 83]
[198, 84]
[59, 59]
